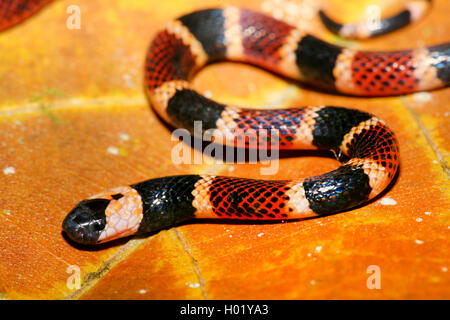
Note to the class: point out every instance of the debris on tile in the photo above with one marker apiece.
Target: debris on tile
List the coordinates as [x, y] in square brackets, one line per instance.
[444, 269]
[418, 241]
[124, 136]
[193, 285]
[9, 170]
[318, 249]
[260, 234]
[419, 219]
[422, 97]
[386, 201]
[427, 213]
[142, 291]
[113, 150]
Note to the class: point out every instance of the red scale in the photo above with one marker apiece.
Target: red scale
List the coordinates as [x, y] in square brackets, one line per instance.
[382, 73]
[255, 199]
[164, 52]
[267, 37]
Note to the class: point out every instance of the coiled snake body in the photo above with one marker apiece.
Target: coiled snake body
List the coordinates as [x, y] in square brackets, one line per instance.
[196, 39]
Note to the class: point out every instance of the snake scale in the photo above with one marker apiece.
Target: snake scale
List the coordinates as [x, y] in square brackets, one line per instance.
[230, 33]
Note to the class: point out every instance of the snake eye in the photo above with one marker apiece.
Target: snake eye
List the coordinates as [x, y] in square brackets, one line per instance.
[85, 222]
[98, 225]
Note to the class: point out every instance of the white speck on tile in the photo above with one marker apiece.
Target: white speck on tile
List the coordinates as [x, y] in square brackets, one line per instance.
[266, 6]
[386, 201]
[231, 236]
[444, 269]
[113, 150]
[7, 212]
[252, 87]
[309, 254]
[428, 213]
[422, 97]
[313, 282]
[208, 94]
[260, 234]
[278, 13]
[419, 219]
[142, 291]
[318, 249]
[418, 241]
[231, 168]
[128, 80]
[124, 136]
[9, 170]
[435, 161]
[194, 285]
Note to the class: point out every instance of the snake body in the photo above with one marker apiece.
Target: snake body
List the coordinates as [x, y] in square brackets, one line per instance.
[374, 25]
[13, 12]
[192, 41]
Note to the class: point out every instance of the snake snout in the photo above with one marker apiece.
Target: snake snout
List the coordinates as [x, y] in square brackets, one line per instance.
[86, 221]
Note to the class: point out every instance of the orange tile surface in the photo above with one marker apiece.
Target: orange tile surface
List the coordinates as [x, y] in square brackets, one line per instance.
[74, 121]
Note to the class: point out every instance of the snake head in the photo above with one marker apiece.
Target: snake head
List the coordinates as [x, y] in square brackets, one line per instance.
[85, 223]
[106, 216]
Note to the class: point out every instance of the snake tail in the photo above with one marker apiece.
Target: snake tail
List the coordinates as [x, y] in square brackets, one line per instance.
[373, 25]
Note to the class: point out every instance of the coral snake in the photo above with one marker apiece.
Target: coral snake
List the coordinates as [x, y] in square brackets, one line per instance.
[229, 33]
